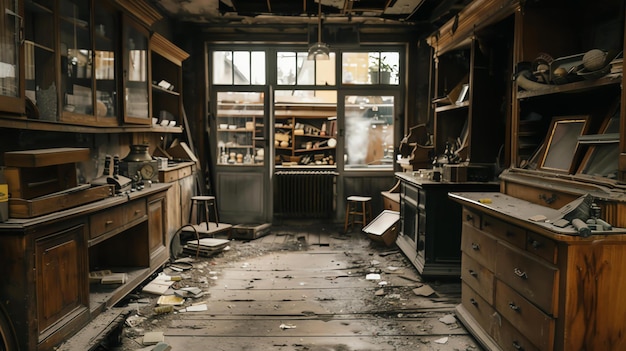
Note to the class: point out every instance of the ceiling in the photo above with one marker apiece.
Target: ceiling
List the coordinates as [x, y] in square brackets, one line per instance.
[429, 13]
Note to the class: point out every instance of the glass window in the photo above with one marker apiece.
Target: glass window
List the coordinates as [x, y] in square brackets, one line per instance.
[379, 67]
[369, 132]
[293, 68]
[239, 67]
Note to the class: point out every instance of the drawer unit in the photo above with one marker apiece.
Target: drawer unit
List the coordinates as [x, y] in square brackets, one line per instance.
[551, 291]
[116, 218]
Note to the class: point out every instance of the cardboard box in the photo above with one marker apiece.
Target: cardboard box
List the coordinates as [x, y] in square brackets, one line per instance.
[384, 228]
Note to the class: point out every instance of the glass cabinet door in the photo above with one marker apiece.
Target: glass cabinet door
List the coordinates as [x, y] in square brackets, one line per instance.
[10, 44]
[39, 64]
[76, 60]
[240, 128]
[106, 33]
[136, 82]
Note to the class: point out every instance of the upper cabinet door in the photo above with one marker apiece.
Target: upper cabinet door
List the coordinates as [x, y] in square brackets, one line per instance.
[11, 69]
[136, 74]
[106, 62]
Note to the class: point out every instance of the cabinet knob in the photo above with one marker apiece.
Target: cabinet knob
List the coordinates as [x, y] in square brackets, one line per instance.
[475, 247]
[514, 307]
[109, 222]
[473, 302]
[473, 273]
[535, 244]
[546, 199]
[517, 346]
[518, 272]
[469, 217]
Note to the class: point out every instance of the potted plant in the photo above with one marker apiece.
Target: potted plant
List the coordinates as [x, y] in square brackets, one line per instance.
[380, 71]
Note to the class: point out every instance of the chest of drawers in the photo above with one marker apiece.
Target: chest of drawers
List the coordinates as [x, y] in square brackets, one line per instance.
[527, 287]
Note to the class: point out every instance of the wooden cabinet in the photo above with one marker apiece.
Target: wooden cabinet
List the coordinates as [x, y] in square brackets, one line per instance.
[305, 134]
[48, 260]
[183, 186]
[471, 86]
[167, 79]
[430, 231]
[533, 286]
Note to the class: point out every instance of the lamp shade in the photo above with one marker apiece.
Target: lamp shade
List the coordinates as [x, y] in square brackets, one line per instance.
[319, 51]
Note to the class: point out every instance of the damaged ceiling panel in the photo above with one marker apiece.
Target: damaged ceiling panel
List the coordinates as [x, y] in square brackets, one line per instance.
[419, 12]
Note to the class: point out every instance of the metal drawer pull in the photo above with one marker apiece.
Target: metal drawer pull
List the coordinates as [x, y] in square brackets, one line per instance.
[514, 307]
[520, 273]
[473, 302]
[108, 222]
[475, 246]
[517, 346]
[472, 273]
[535, 244]
[469, 217]
[137, 211]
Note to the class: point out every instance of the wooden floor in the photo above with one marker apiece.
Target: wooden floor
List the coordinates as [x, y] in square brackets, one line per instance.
[312, 288]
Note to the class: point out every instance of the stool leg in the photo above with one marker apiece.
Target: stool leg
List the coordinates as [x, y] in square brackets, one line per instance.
[217, 220]
[191, 211]
[345, 227]
[363, 214]
[206, 214]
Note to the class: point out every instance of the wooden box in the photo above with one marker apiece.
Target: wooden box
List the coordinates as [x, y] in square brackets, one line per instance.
[384, 228]
[250, 231]
[34, 173]
[23, 208]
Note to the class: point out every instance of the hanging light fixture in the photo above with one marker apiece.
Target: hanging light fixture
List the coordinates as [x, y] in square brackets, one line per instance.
[319, 50]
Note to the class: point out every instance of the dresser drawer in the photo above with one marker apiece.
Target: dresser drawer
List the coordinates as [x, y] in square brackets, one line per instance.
[541, 246]
[184, 172]
[477, 277]
[529, 276]
[116, 217]
[471, 218]
[527, 318]
[478, 246]
[510, 339]
[482, 311]
[504, 231]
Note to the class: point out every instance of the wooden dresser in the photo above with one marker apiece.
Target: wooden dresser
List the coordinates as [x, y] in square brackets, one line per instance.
[47, 293]
[529, 285]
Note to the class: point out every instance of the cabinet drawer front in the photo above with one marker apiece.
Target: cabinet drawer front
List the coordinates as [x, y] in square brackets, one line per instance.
[410, 192]
[478, 246]
[482, 311]
[134, 210]
[530, 277]
[510, 339]
[502, 230]
[184, 172]
[168, 176]
[421, 200]
[478, 278]
[103, 222]
[527, 318]
[471, 218]
[542, 247]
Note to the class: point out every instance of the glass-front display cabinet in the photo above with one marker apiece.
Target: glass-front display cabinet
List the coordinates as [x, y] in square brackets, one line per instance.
[11, 97]
[240, 128]
[137, 84]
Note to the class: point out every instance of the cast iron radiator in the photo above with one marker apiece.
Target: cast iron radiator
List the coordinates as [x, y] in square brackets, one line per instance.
[304, 194]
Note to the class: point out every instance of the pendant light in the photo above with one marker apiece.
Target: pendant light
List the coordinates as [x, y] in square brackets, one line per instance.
[319, 50]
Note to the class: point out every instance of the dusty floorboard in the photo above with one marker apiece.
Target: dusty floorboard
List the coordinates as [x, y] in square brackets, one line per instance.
[306, 288]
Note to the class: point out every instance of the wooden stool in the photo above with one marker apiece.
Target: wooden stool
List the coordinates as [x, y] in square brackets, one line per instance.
[206, 201]
[358, 210]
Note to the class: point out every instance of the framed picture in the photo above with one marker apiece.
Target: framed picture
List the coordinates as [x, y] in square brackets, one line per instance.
[601, 160]
[562, 143]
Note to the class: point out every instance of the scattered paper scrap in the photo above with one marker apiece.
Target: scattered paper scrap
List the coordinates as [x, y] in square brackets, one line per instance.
[158, 285]
[424, 290]
[372, 276]
[448, 319]
[287, 326]
[153, 338]
[171, 300]
[442, 340]
[134, 320]
[197, 308]
[379, 292]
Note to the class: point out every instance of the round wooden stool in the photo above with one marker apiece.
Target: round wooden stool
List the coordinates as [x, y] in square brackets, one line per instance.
[358, 211]
[206, 202]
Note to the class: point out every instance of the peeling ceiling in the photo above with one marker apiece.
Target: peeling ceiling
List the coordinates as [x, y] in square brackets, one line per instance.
[432, 13]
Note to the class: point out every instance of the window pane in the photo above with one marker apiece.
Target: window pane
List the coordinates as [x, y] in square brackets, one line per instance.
[222, 67]
[306, 70]
[241, 66]
[369, 131]
[286, 68]
[326, 71]
[370, 67]
[258, 67]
